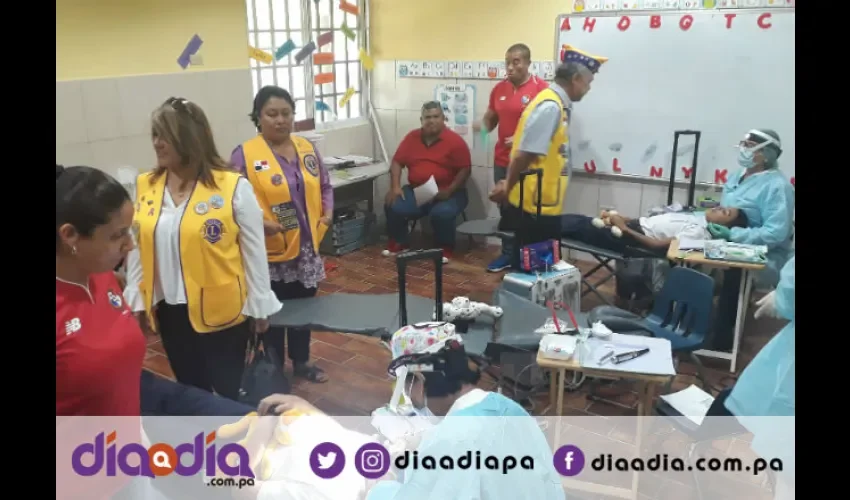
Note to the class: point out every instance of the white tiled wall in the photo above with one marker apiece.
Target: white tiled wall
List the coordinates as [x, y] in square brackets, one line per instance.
[398, 101]
[105, 122]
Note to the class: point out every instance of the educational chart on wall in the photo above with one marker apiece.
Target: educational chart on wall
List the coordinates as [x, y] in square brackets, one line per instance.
[467, 70]
[664, 73]
[585, 6]
[459, 107]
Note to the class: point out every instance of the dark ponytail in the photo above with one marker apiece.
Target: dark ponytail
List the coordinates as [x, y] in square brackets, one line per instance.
[86, 198]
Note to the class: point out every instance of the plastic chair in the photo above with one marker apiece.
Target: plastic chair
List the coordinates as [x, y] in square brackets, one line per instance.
[681, 313]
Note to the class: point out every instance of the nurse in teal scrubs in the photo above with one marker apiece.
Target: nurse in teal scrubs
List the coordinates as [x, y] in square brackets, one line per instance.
[763, 399]
[767, 197]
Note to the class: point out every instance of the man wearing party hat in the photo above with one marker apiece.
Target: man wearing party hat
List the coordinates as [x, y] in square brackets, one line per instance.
[431, 360]
[541, 142]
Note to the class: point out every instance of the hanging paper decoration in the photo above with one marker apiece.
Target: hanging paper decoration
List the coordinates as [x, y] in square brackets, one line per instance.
[322, 58]
[347, 97]
[284, 50]
[351, 8]
[348, 32]
[366, 59]
[260, 55]
[325, 38]
[191, 49]
[323, 78]
[323, 106]
[305, 52]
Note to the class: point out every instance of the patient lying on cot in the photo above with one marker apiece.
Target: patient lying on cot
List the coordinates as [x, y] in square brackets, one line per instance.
[654, 233]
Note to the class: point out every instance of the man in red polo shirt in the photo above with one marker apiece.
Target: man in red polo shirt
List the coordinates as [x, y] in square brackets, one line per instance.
[431, 151]
[507, 102]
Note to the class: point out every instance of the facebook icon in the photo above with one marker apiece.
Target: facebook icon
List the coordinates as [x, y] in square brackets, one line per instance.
[568, 460]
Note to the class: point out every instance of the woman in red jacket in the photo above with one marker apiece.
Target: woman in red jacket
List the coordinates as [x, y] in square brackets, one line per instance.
[99, 345]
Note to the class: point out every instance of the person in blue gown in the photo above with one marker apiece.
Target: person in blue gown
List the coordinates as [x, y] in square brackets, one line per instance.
[475, 420]
[763, 399]
[763, 192]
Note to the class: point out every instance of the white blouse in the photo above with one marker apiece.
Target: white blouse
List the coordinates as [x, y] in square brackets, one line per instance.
[168, 282]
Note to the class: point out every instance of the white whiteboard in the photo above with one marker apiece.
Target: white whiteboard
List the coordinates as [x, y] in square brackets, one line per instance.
[719, 76]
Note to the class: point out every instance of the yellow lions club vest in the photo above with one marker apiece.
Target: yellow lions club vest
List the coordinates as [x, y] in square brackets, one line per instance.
[272, 190]
[554, 164]
[210, 256]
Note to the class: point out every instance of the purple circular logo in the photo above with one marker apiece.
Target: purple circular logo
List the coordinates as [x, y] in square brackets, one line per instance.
[568, 460]
[372, 461]
[327, 460]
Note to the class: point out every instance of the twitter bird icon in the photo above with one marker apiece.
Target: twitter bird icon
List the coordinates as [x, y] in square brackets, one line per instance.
[327, 460]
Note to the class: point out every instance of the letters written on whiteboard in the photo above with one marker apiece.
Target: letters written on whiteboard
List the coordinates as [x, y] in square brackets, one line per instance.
[684, 23]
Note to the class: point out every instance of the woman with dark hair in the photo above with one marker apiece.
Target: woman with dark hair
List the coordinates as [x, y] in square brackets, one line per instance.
[199, 275]
[294, 190]
[99, 345]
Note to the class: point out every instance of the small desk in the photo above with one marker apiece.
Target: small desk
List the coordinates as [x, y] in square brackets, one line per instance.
[646, 392]
[356, 175]
[698, 258]
[357, 184]
[646, 382]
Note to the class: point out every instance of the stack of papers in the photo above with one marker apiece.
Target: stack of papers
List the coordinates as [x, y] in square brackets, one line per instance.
[332, 161]
[346, 175]
[426, 192]
[359, 161]
[692, 402]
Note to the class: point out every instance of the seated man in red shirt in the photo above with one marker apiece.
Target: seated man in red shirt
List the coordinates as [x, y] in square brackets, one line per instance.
[431, 151]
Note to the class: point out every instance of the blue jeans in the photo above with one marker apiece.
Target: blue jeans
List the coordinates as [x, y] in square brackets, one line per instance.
[499, 174]
[443, 216]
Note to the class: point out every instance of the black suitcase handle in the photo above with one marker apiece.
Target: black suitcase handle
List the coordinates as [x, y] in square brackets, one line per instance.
[692, 187]
[539, 173]
[402, 260]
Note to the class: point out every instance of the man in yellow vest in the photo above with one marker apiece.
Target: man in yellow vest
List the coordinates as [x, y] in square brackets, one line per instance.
[541, 142]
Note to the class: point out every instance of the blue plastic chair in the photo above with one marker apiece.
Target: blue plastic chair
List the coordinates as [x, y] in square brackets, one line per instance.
[681, 313]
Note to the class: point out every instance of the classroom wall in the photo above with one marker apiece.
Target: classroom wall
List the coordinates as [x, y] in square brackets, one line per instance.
[478, 30]
[116, 62]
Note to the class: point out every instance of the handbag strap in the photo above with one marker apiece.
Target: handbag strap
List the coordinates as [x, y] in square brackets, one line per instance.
[254, 346]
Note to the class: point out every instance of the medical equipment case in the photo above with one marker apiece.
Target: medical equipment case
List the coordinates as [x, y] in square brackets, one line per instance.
[551, 286]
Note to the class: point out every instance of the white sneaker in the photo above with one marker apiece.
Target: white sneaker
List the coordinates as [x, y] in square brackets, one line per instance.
[550, 327]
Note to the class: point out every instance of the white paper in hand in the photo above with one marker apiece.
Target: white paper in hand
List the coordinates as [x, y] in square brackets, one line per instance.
[426, 192]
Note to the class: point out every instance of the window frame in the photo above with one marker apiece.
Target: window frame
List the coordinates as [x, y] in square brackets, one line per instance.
[312, 92]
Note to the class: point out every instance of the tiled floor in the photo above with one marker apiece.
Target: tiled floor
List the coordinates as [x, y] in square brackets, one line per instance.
[357, 365]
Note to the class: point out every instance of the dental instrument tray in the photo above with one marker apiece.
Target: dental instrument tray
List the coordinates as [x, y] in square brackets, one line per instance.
[735, 252]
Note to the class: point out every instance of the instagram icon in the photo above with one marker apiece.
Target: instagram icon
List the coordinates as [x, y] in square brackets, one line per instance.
[372, 461]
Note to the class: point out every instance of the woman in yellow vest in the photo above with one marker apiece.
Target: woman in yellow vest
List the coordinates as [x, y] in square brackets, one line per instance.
[198, 276]
[542, 142]
[294, 189]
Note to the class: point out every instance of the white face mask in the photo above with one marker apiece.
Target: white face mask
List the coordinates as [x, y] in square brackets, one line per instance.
[746, 154]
